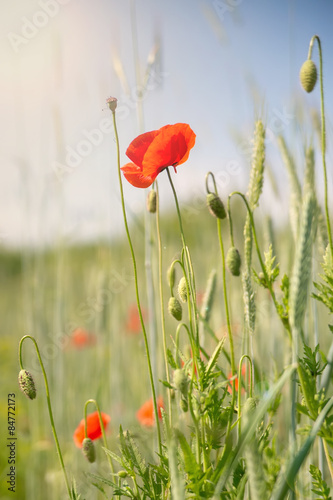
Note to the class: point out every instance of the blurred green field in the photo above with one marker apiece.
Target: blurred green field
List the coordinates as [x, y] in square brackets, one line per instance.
[48, 294]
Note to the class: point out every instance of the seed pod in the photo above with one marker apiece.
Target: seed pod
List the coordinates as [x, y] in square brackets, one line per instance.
[27, 384]
[151, 201]
[233, 261]
[175, 308]
[122, 474]
[180, 381]
[88, 450]
[182, 290]
[308, 75]
[215, 206]
[112, 103]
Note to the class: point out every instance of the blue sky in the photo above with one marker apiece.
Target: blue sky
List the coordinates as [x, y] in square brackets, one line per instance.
[221, 64]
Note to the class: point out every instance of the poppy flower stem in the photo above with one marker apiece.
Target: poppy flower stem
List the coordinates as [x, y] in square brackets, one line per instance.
[93, 401]
[159, 239]
[137, 287]
[245, 356]
[323, 132]
[48, 399]
[190, 275]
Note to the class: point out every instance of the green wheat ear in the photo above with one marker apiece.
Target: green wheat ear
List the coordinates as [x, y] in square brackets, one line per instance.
[208, 299]
[258, 164]
[301, 274]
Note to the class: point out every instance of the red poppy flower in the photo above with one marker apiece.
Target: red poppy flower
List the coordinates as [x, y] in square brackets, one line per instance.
[145, 414]
[153, 151]
[80, 338]
[93, 428]
[133, 323]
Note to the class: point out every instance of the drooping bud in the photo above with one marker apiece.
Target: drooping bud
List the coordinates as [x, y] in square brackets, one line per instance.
[182, 290]
[88, 450]
[233, 261]
[175, 308]
[215, 206]
[180, 381]
[27, 384]
[151, 201]
[308, 75]
[112, 103]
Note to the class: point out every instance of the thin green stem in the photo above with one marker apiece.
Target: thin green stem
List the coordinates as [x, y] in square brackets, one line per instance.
[48, 398]
[101, 426]
[159, 239]
[323, 132]
[262, 265]
[137, 287]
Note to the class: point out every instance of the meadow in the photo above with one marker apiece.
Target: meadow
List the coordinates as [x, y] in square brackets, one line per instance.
[203, 336]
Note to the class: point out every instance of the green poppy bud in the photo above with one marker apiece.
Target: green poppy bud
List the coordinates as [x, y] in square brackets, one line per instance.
[180, 381]
[233, 261]
[171, 276]
[308, 75]
[215, 206]
[175, 308]
[88, 450]
[151, 201]
[27, 384]
[184, 405]
[182, 290]
[123, 474]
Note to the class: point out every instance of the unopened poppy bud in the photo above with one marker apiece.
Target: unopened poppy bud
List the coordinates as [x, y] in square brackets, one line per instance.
[233, 261]
[182, 290]
[171, 275]
[88, 450]
[122, 474]
[308, 75]
[175, 308]
[27, 384]
[151, 201]
[112, 103]
[215, 206]
[184, 405]
[180, 381]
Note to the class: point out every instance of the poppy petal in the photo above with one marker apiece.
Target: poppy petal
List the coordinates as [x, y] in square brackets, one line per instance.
[136, 177]
[138, 147]
[93, 428]
[170, 147]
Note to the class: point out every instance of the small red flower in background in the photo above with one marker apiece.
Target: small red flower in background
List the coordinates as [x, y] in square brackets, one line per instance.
[133, 323]
[236, 381]
[153, 151]
[93, 428]
[80, 339]
[145, 414]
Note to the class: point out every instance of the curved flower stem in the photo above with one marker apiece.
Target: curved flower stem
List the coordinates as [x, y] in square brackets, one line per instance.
[190, 280]
[226, 306]
[323, 132]
[262, 265]
[245, 356]
[101, 426]
[159, 239]
[48, 398]
[137, 287]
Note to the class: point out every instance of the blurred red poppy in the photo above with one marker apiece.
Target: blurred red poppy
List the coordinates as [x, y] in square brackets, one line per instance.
[145, 414]
[133, 323]
[236, 381]
[93, 428]
[153, 151]
[80, 339]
